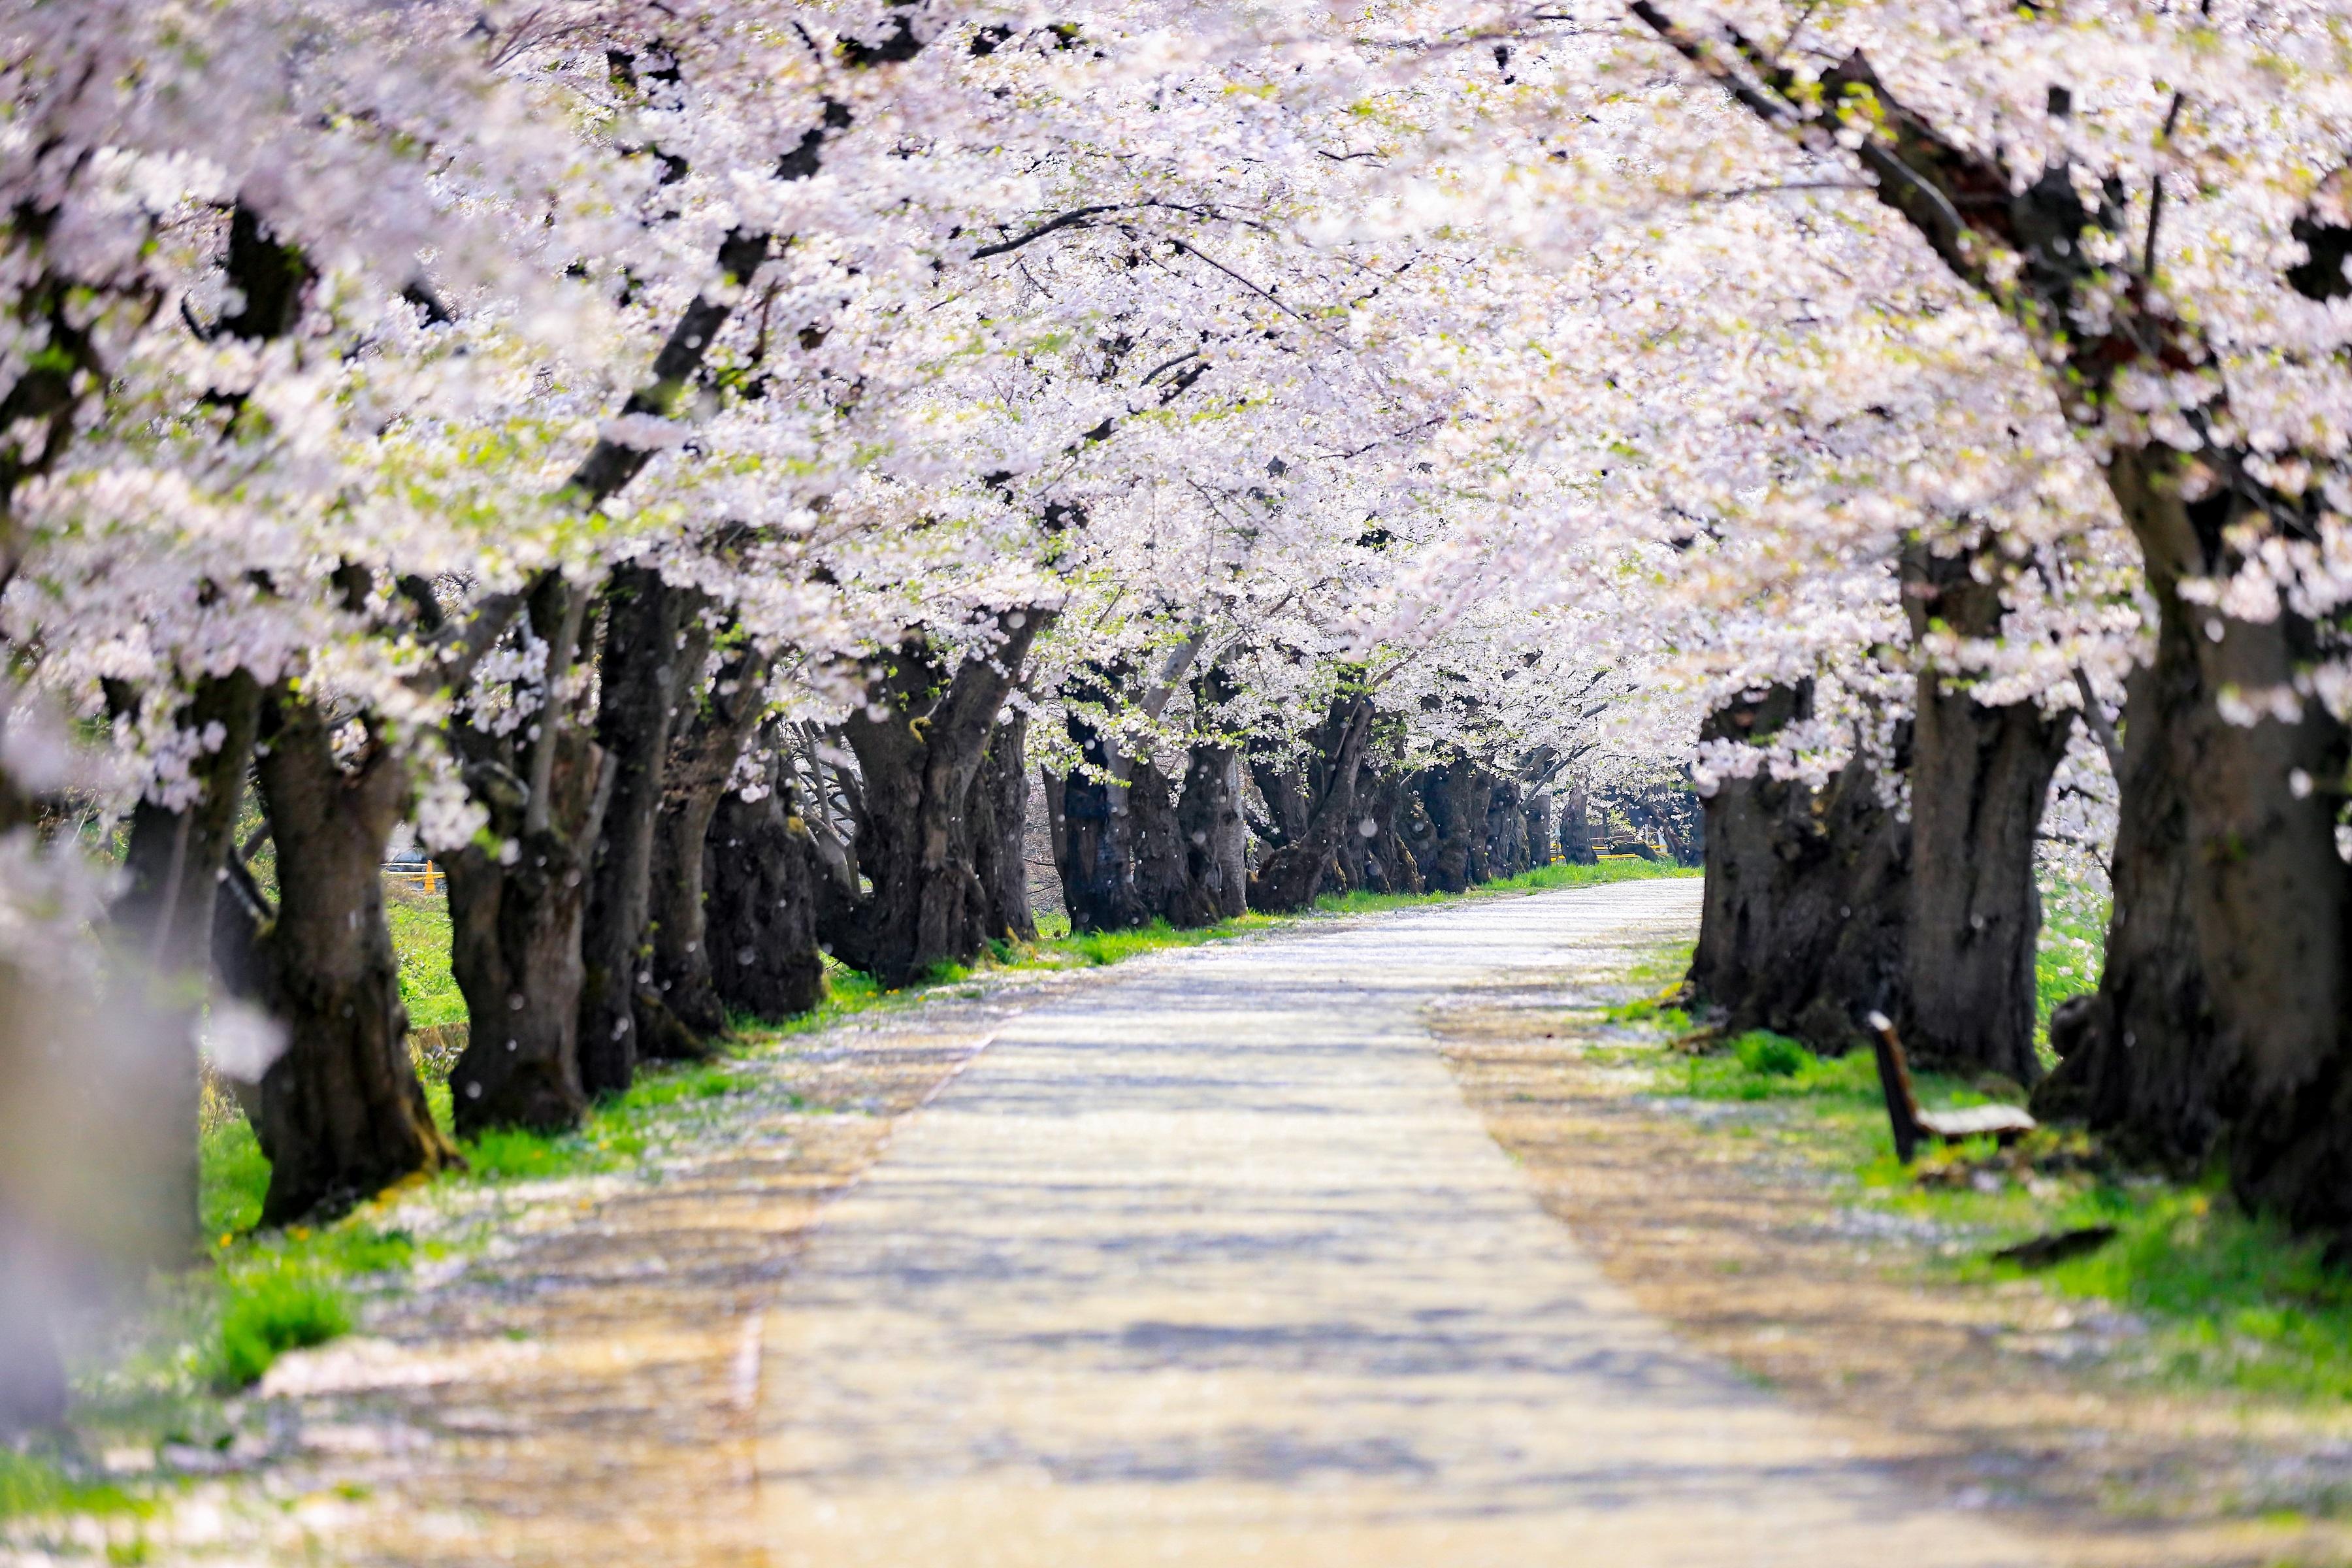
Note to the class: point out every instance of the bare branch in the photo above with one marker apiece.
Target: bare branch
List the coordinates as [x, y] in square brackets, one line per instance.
[2094, 719]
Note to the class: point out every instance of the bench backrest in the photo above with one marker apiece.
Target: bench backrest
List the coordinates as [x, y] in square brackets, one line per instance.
[1895, 1081]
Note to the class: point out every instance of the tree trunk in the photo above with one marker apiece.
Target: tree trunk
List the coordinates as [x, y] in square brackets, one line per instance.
[344, 1116]
[702, 758]
[1802, 927]
[1506, 826]
[760, 872]
[2267, 890]
[1289, 796]
[1162, 869]
[33, 1389]
[914, 839]
[174, 867]
[1576, 828]
[2139, 1060]
[1415, 829]
[1537, 814]
[1979, 776]
[1293, 876]
[515, 913]
[1098, 851]
[1000, 822]
[1387, 864]
[637, 691]
[1456, 798]
[1215, 839]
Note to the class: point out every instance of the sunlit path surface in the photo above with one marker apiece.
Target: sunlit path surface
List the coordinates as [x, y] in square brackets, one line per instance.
[1210, 1265]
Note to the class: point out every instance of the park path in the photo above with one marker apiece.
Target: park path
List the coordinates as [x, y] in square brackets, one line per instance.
[1210, 1264]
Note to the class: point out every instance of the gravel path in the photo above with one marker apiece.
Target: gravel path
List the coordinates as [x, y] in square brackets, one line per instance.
[1210, 1265]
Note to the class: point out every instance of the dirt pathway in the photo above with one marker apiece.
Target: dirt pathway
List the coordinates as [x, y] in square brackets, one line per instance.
[1210, 1265]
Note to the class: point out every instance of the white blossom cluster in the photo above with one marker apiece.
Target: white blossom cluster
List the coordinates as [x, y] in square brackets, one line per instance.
[1486, 358]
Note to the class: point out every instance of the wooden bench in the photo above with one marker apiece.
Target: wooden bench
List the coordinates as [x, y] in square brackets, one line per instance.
[1913, 1126]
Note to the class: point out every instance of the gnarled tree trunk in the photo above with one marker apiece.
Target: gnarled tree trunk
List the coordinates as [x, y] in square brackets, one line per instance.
[516, 915]
[703, 753]
[1979, 776]
[1537, 816]
[1000, 820]
[1387, 865]
[1293, 876]
[2267, 890]
[636, 693]
[1162, 871]
[2139, 1060]
[1506, 826]
[1802, 927]
[1454, 798]
[1576, 828]
[914, 839]
[1215, 839]
[760, 875]
[342, 1115]
[1098, 839]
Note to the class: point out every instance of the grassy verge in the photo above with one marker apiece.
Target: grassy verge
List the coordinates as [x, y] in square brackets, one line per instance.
[2207, 1298]
[420, 936]
[2072, 947]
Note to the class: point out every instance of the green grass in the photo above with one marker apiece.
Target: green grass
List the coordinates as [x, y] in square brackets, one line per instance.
[36, 1485]
[1760, 1065]
[2238, 1300]
[266, 1311]
[1094, 949]
[1765, 1055]
[420, 937]
[235, 1175]
[2072, 949]
[617, 1132]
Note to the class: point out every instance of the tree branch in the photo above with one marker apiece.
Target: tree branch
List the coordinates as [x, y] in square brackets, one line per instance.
[1074, 218]
[2094, 719]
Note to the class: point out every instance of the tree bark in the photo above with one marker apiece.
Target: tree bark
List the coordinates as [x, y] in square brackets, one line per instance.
[1537, 814]
[1506, 826]
[1098, 852]
[1979, 776]
[636, 693]
[1293, 876]
[516, 914]
[760, 873]
[702, 758]
[342, 1115]
[1455, 797]
[173, 870]
[1162, 871]
[2267, 890]
[1215, 839]
[1802, 926]
[2139, 1060]
[914, 839]
[1388, 865]
[1000, 820]
[1576, 828]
